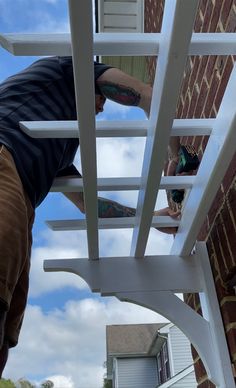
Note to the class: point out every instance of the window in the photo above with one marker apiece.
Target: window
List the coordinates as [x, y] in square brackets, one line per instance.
[163, 364]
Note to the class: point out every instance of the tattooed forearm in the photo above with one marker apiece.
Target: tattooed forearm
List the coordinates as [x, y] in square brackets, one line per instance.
[120, 93]
[111, 209]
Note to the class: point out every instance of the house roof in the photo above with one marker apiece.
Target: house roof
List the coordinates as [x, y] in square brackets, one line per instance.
[131, 340]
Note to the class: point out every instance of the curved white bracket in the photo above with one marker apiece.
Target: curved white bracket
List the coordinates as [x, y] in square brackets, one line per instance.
[196, 328]
[151, 282]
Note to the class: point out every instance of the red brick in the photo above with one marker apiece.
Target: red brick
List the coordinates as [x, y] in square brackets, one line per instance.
[193, 103]
[202, 6]
[198, 23]
[215, 82]
[218, 202]
[217, 247]
[204, 142]
[215, 16]
[191, 83]
[231, 23]
[207, 16]
[228, 311]
[199, 370]
[194, 353]
[225, 10]
[211, 60]
[230, 229]
[231, 340]
[186, 106]
[222, 291]
[201, 100]
[224, 80]
[230, 175]
[185, 83]
[206, 384]
[201, 69]
[224, 241]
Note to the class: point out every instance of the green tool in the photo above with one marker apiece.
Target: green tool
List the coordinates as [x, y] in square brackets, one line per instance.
[188, 161]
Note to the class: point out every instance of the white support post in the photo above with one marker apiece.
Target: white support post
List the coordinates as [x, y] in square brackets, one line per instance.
[222, 362]
[218, 154]
[81, 23]
[174, 46]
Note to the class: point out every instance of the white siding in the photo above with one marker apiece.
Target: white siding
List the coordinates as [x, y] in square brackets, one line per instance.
[136, 372]
[121, 15]
[181, 351]
[188, 381]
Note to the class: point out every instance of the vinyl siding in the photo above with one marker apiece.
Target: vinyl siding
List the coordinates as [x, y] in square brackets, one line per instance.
[136, 372]
[181, 351]
[120, 16]
[188, 381]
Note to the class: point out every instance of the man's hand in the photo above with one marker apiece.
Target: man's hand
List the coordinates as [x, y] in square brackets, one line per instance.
[167, 212]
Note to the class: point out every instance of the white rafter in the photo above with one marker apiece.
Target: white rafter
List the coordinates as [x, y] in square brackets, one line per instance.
[171, 63]
[116, 44]
[81, 23]
[60, 129]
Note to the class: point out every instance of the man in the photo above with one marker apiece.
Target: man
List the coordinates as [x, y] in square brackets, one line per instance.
[44, 91]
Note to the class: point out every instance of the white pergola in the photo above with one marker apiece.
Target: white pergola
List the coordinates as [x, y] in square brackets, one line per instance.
[150, 281]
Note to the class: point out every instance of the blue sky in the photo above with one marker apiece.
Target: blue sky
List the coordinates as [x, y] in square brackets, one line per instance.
[63, 336]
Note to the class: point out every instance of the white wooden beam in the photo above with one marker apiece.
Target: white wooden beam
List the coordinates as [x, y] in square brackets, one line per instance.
[120, 44]
[110, 223]
[126, 274]
[124, 128]
[170, 69]
[217, 156]
[81, 22]
[118, 184]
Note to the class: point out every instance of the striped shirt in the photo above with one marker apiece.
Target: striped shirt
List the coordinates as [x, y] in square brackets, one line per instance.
[43, 91]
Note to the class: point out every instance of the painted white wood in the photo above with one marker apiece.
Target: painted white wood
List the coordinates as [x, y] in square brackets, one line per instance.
[118, 184]
[217, 156]
[136, 372]
[111, 223]
[171, 64]
[81, 23]
[116, 44]
[201, 333]
[185, 379]
[124, 128]
[192, 324]
[222, 362]
[126, 274]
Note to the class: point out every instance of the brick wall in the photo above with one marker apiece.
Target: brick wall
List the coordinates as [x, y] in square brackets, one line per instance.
[203, 86]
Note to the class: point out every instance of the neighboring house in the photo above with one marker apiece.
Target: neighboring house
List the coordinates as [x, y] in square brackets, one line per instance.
[149, 356]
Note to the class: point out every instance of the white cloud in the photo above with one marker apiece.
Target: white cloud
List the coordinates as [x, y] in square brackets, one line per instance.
[70, 343]
[60, 381]
[111, 108]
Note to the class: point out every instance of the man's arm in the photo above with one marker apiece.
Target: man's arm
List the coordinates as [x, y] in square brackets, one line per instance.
[112, 209]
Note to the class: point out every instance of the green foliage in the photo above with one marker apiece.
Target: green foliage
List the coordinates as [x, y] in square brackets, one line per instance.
[107, 383]
[22, 383]
[47, 384]
[6, 384]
